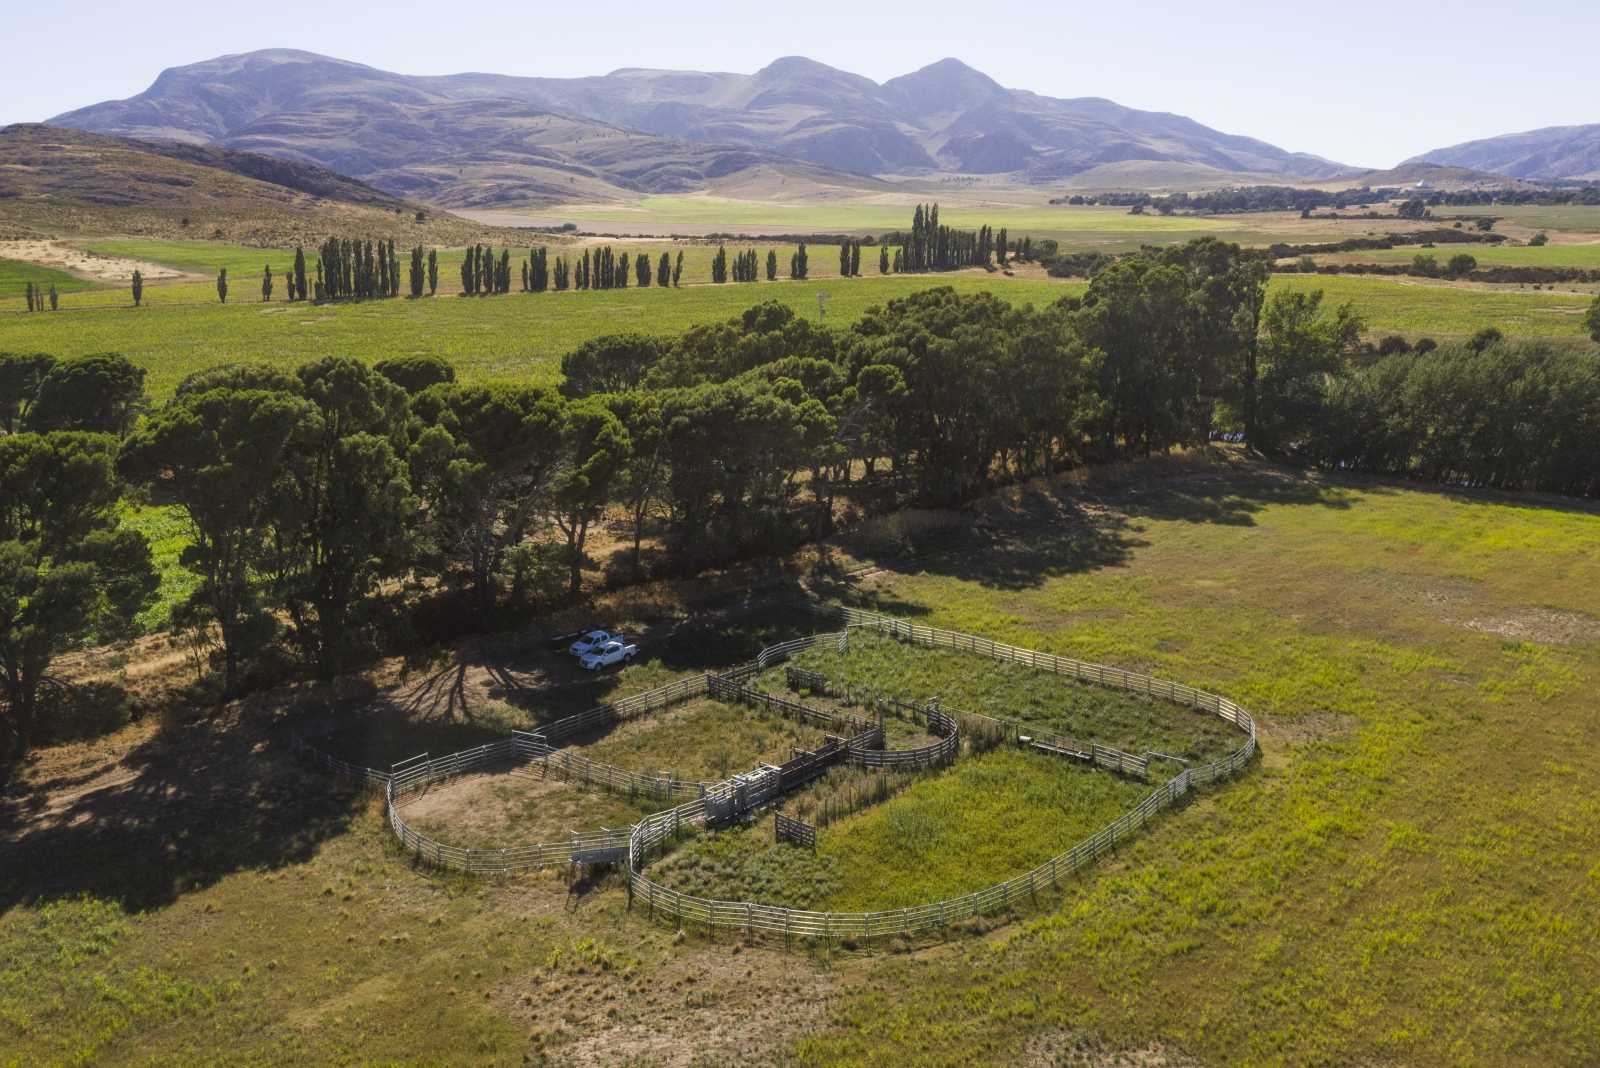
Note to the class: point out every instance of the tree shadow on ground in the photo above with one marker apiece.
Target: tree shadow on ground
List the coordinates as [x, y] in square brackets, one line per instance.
[459, 699]
[190, 804]
[1045, 530]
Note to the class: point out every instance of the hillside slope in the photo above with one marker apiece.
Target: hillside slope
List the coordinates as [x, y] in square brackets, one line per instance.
[56, 181]
[1554, 152]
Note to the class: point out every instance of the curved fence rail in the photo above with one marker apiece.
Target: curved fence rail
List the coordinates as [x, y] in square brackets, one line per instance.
[636, 844]
[649, 834]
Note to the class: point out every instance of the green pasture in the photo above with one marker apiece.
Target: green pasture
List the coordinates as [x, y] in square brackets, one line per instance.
[1563, 255]
[15, 276]
[516, 337]
[1417, 307]
[1042, 700]
[1572, 217]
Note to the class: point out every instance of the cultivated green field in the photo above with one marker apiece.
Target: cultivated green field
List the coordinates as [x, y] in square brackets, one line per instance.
[1574, 255]
[1074, 226]
[1573, 217]
[203, 257]
[698, 213]
[517, 337]
[1416, 307]
[15, 276]
[1408, 875]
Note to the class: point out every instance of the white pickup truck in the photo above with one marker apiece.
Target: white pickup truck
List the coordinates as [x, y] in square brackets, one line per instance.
[593, 640]
[612, 652]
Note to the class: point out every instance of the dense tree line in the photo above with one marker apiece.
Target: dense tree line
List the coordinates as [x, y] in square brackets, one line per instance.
[342, 510]
[1290, 198]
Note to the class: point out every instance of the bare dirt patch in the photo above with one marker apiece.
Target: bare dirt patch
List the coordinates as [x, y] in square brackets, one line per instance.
[517, 807]
[723, 1004]
[1545, 626]
[64, 257]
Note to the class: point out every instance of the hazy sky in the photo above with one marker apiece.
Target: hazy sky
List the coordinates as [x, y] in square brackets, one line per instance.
[1362, 83]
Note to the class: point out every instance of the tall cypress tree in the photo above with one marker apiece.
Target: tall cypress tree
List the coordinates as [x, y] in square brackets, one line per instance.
[266, 283]
[433, 272]
[641, 264]
[664, 270]
[297, 291]
[677, 269]
[222, 285]
[844, 259]
[855, 259]
[138, 287]
[719, 265]
[883, 259]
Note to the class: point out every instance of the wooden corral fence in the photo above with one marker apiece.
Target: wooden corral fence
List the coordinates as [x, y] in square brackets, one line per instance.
[692, 910]
[407, 780]
[785, 829]
[1014, 731]
[648, 837]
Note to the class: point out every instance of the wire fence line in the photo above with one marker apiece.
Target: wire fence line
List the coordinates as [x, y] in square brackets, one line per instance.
[650, 834]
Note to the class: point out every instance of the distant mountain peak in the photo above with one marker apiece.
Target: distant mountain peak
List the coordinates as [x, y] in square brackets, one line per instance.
[942, 87]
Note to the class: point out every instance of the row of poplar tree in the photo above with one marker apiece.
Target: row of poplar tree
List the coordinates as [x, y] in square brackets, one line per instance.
[363, 270]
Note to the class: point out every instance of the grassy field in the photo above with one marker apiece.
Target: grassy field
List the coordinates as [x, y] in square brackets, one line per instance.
[1407, 877]
[1043, 700]
[15, 276]
[522, 337]
[982, 821]
[705, 740]
[1564, 255]
[1571, 217]
[1074, 226]
[697, 213]
[167, 529]
[1416, 307]
[244, 263]
[519, 337]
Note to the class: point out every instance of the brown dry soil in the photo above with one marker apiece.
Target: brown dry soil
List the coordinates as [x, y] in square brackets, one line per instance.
[518, 807]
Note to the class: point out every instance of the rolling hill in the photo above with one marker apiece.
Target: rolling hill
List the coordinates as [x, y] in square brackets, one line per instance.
[56, 181]
[480, 139]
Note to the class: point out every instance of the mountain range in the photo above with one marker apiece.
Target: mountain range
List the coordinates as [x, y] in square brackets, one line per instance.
[1555, 152]
[792, 129]
[479, 139]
